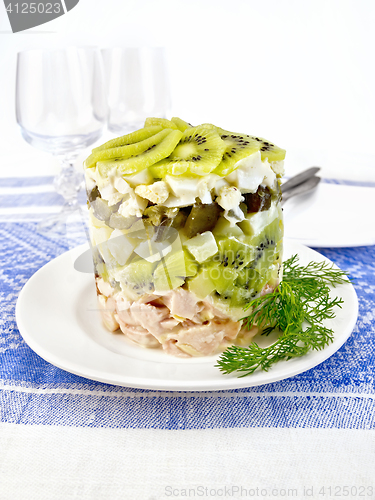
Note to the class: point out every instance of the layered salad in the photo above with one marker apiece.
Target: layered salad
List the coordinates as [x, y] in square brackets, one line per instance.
[186, 229]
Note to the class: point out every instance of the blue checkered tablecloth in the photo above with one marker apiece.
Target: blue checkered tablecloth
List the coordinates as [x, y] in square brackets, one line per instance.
[338, 394]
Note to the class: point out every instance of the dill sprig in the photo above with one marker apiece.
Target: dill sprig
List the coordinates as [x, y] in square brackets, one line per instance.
[296, 309]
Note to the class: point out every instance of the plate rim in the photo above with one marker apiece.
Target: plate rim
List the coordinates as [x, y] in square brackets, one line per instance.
[225, 382]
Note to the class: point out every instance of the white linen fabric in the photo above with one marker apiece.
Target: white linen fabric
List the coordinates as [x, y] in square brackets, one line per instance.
[59, 463]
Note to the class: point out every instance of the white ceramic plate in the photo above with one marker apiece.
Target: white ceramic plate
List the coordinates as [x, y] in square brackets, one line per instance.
[332, 216]
[58, 318]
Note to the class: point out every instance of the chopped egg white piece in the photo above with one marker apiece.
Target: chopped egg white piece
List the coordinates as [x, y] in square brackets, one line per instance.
[229, 197]
[157, 192]
[132, 205]
[120, 246]
[278, 167]
[250, 172]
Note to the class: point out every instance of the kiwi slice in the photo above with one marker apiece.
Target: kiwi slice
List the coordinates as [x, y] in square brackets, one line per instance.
[136, 278]
[222, 277]
[251, 280]
[199, 151]
[224, 267]
[128, 151]
[161, 145]
[181, 124]
[160, 122]
[269, 151]
[237, 147]
[132, 138]
[233, 254]
[173, 269]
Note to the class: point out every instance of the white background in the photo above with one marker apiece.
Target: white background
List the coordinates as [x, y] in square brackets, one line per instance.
[300, 73]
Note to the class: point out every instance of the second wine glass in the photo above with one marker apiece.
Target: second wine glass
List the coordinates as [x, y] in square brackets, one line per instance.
[137, 86]
[61, 108]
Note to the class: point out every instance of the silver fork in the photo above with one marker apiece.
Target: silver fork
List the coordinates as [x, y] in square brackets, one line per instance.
[301, 183]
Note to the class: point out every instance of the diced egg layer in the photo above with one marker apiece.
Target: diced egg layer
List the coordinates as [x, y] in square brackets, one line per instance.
[135, 191]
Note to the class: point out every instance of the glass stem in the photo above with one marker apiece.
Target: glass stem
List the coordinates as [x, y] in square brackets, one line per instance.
[68, 182]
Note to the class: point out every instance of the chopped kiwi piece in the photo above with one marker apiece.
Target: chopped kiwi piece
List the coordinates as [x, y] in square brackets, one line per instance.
[201, 284]
[162, 145]
[222, 277]
[125, 140]
[173, 269]
[239, 287]
[136, 278]
[161, 122]
[233, 254]
[259, 201]
[199, 151]
[202, 247]
[181, 124]
[202, 218]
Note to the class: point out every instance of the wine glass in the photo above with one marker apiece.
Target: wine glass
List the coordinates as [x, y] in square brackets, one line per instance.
[137, 86]
[61, 108]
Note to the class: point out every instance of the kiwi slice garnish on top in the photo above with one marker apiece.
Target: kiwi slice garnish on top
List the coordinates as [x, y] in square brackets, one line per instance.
[132, 138]
[162, 146]
[160, 122]
[127, 151]
[181, 124]
[199, 151]
[237, 147]
[270, 151]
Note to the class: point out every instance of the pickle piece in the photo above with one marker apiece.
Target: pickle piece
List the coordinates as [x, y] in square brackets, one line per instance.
[155, 214]
[259, 201]
[93, 194]
[202, 218]
[133, 137]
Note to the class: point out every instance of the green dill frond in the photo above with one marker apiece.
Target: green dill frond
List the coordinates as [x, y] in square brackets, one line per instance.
[296, 308]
